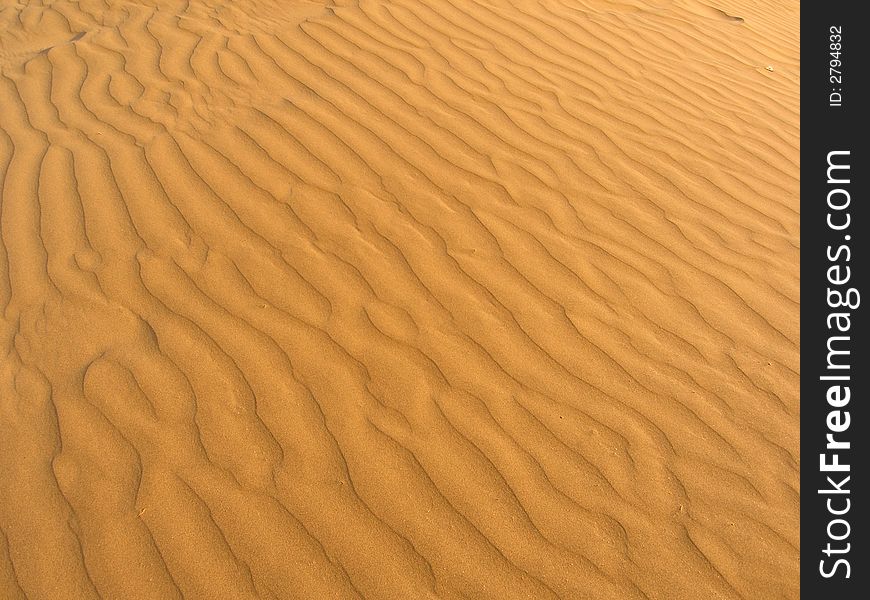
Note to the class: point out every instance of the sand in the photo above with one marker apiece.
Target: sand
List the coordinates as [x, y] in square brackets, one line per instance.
[399, 299]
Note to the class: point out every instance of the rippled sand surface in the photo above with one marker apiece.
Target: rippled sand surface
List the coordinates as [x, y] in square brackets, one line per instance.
[486, 299]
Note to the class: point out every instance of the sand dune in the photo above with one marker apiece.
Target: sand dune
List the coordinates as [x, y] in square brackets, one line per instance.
[399, 299]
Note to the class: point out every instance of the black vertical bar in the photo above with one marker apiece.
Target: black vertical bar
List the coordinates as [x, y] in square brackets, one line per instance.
[834, 367]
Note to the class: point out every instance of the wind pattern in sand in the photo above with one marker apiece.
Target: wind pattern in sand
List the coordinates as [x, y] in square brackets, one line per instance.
[487, 299]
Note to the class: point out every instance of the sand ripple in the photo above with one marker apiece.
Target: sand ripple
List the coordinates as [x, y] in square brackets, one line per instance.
[399, 299]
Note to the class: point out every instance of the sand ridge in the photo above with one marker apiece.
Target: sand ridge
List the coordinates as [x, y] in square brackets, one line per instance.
[399, 299]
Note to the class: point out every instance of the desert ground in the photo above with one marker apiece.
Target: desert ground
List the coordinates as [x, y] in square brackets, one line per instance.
[399, 299]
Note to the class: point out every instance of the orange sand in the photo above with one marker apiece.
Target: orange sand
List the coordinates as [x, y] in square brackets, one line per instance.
[399, 299]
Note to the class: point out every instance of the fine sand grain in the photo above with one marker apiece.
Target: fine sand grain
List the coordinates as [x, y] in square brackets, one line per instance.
[400, 299]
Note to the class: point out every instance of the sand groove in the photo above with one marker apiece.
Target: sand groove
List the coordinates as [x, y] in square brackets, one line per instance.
[399, 299]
